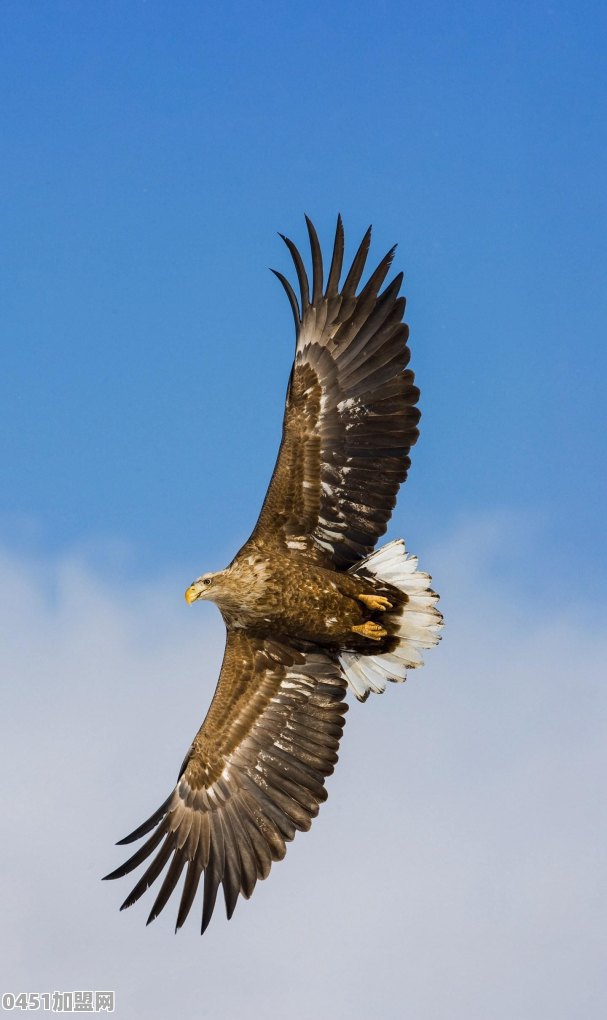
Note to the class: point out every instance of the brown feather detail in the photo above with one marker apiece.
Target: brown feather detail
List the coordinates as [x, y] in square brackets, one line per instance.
[290, 294]
[317, 270]
[337, 261]
[350, 411]
[254, 774]
[268, 817]
[190, 888]
[139, 857]
[171, 878]
[246, 852]
[302, 277]
[153, 871]
[358, 265]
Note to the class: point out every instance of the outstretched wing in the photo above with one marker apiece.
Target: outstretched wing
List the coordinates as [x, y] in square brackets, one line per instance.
[350, 417]
[254, 774]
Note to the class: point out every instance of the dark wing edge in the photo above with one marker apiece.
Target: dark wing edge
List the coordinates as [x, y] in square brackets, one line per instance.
[253, 776]
[350, 417]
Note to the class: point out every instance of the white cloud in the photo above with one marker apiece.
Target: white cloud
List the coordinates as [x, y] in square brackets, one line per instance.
[456, 871]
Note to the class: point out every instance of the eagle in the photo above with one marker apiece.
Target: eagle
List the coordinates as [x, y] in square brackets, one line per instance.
[310, 607]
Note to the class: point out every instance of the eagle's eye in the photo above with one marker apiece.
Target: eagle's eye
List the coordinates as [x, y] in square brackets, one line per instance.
[206, 580]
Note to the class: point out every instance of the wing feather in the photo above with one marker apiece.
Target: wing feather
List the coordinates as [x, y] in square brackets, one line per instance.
[190, 888]
[350, 404]
[317, 270]
[170, 881]
[290, 294]
[253, 776]
[140, 856]
[302, 276]
[337, 261]
[357, 267]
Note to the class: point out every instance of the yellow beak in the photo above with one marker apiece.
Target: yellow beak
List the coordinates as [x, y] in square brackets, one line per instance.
[193, 592]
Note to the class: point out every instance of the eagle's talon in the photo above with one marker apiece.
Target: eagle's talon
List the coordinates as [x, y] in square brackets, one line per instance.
[370, 630]
[375, 602]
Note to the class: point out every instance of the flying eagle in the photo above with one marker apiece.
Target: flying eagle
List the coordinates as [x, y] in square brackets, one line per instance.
[310, 609]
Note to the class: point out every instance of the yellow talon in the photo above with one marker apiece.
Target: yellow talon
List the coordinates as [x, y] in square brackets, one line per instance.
[370, 630]
[374, 602]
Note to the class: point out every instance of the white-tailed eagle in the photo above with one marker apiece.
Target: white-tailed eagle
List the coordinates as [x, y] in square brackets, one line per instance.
[309, 607]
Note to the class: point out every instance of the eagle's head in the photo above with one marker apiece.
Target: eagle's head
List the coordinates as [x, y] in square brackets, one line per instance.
[235, 590]
[207, 586]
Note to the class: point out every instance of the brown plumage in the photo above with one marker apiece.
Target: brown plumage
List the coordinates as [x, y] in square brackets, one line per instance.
[308, 606]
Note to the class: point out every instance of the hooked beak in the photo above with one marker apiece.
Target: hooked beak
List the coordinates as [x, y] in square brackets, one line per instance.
[193, 592]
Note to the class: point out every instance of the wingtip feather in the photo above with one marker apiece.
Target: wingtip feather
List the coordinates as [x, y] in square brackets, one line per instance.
[291, 296]
[302, 277]
[317, 266]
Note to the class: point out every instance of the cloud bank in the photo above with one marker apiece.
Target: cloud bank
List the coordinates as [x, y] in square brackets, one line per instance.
[456, 872]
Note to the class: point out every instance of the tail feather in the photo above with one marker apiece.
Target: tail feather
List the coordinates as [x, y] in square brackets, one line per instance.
[416, 624]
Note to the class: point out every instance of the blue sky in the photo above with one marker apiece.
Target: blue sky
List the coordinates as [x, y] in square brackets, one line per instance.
[151, 152]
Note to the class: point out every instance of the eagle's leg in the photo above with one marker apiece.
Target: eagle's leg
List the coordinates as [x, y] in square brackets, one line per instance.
[374, 602]
[370, 630]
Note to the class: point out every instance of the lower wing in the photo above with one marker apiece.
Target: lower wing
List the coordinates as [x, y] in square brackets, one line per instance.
[254, 775]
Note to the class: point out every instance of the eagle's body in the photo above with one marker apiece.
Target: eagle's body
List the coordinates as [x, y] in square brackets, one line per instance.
[288, 597]
[310, 608]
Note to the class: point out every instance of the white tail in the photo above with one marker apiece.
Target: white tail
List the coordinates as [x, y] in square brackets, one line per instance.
[418, 622]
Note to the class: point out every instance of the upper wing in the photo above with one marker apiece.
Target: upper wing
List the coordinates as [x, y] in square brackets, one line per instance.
[350, 417]
[254, 774]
